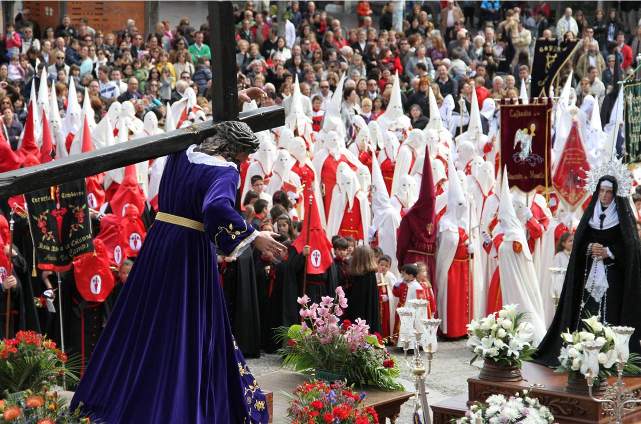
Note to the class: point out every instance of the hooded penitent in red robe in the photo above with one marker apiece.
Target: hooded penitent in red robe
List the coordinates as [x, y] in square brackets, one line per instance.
[417, 232]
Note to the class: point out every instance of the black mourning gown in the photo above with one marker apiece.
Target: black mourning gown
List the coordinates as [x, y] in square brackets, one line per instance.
[621, 302]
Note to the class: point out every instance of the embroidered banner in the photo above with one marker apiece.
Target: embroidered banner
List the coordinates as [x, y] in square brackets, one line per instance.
[525, 143]
[549, 58]
[632, 117]
[569, 177]
[60, 224]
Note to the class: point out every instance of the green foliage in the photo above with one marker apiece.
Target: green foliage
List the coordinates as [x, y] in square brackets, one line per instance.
[30, 361]
[364, 366]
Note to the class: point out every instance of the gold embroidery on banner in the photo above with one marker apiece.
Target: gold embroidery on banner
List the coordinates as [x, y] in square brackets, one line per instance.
[259, 405]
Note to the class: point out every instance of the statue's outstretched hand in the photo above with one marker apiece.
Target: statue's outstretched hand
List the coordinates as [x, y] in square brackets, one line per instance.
[249, 94]
[266, 244]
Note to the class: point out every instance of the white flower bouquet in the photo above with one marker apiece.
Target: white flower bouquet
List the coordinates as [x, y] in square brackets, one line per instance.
[519, 408]
[504, 338]
[572, 357]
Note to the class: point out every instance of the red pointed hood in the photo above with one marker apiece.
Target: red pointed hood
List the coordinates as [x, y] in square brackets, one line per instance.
[87, 143]
[111, 236]
[29, 145]
[314, 236]
[417, 230]
[133, 231]
[128, 192]
[47, 141]
[9, 160]
[94, 279]
[30, 160]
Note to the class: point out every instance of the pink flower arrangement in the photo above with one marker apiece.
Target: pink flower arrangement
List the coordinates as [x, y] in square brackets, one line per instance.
[323, 343]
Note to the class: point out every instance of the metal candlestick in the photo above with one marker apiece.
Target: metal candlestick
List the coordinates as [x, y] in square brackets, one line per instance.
[616, 400]
[416, 331]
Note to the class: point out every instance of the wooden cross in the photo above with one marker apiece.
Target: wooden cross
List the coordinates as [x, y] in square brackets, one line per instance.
[224, 104]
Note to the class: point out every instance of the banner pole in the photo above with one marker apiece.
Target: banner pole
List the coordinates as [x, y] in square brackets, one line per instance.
[7, 324]
[62, 331]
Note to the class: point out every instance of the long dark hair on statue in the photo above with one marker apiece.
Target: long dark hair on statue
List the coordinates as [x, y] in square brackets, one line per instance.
[230, 139]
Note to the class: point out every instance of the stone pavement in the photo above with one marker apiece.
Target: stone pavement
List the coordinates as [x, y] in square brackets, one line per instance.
[450, 370]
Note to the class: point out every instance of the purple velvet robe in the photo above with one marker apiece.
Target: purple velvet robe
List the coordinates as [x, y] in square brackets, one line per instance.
[167, 354]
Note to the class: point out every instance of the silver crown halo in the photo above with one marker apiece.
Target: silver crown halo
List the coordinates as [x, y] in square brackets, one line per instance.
[615, 168]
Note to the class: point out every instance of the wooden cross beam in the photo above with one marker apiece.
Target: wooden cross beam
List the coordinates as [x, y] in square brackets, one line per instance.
[224, 105]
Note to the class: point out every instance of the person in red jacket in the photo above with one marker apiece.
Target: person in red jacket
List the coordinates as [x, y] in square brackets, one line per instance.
[625, 50]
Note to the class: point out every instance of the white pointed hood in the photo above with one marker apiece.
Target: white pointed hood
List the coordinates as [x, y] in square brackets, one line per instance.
[150, 123]
[266, 153]
[335, 144]
[170, 124]
[391, 145]
[283, 164]
[332, 120]
[296, 118]
[465, 153]
[511, 225]
[488, 109]
[394, 119]
[55, 122]
[87, 110]
[347, 182]
[381, 204]
[376, 133]
[435, 123]
[363, 138]
[114, 112]
[407, 191]
[43, 93]
[298, 149]
[438, 171]
[451, 220]
[103, 135]
[37, 116]
[364, 178]
[286, 138]
[483, 173]
[475, 127]
[523, 94]
[474, 132]
[416, 140]
[564, 97]
[72, 121]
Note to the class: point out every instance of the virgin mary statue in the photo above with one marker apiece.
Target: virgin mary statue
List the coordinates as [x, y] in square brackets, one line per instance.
[604, 272]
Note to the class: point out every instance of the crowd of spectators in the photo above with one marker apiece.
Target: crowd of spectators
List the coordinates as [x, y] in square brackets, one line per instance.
[448, 45]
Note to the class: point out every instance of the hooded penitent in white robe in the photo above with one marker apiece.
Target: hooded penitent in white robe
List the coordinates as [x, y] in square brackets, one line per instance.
[385, 222]
[262, 161]
[519, 283]
[436, 123]
[406, 195]
[408, 152]
[474, 133]
[283, 178]
[454, 302]
[306, 172]
[326, 161]
[394, 119]
[347, 197]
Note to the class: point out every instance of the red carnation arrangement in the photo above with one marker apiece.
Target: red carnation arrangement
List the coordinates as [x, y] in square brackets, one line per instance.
[30, 361]
[317, 402]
